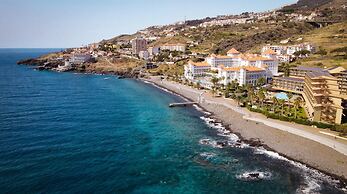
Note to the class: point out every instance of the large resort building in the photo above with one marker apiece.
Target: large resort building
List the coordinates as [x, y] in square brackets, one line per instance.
[243, 75]
[288, 84]
[235, 66]
[195, 70]
[301, 71]
[324, 91]
[323, 98]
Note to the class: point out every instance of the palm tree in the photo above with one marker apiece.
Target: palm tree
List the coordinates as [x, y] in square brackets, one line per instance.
[282, 102]
[285, 68]
[290, 96]
[251, 95]
[261, 81]
[228, 89]
[214, 81]
[297, 104]
[234, 85]
[238, 99]
[274, 103]
[261, 97]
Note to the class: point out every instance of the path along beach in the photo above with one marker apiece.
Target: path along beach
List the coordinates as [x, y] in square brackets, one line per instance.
[315, 147]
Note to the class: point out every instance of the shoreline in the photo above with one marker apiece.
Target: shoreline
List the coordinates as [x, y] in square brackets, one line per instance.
[221, 114]
[255, 142]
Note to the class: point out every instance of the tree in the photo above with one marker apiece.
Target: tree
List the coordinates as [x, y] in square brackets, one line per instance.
[274, 103]
[261, 81]
[290, 96]
[261, 97]
[297, 104]
[321, 51]
[214, 81]
[251, 95]
[234, 85]
[227, 90]
[301, 53]
[340, 50]
[281, 102]
[285, 68]
[238, 99]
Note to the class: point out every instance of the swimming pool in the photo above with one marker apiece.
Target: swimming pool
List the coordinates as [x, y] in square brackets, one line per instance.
[282, 96]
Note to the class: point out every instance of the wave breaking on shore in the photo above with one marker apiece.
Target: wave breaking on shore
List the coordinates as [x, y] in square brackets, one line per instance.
[313, 178]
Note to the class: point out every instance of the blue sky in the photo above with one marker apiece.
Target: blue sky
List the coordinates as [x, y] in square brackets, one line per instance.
[71, 23]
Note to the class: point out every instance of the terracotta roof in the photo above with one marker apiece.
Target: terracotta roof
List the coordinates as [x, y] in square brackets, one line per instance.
[254, 57]
[233, 51]
[251, 68]
[231, 68]
[199, 64]
[247, 68]
[269, 52]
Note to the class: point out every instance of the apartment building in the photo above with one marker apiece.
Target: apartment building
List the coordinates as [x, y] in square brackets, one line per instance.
[138, 44]
[80, 58]
[153, 50]
[323, 97]
[342, 80]
[290, 49]
[288, 84]
[301, 71]
[341, 74]
[174, 47]
[286, 53]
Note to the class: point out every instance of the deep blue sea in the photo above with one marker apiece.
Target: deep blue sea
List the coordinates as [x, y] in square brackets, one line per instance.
[78, 133]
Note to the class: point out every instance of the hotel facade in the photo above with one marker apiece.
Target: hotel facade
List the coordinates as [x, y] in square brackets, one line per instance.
[324, 91]
[289, 84]
[235, 66]
[195, 70]
[323, 97]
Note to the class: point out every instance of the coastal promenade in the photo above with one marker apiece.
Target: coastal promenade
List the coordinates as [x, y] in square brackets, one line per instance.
[338, 145]
[318, 148]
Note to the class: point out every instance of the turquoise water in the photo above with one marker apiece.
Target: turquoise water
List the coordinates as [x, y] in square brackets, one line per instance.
[76, 133]
[282, 96]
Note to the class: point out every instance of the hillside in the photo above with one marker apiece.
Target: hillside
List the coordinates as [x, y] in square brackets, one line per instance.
[327, 39]
[248, 32]
[329, 10]
[307, 4]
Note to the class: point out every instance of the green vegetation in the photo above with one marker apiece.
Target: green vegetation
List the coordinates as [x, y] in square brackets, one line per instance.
[331, 44]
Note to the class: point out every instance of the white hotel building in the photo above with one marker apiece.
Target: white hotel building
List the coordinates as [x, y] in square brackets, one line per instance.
[174, 47]
[195, 70]
[242, 75]
[244, 68]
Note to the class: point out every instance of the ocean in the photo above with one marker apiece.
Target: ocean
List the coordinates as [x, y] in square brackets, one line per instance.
[82, 133]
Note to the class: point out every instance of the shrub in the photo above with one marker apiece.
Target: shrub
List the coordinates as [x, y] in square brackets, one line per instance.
[296, 120]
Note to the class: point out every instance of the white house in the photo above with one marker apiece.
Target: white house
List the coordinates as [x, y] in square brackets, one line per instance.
[144, 55]
[174, 47]
[194, 70]
[153, 50]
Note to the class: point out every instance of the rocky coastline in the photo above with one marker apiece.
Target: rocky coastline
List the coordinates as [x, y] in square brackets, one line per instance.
[272, 140]
[52, 65]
